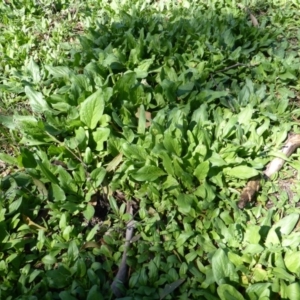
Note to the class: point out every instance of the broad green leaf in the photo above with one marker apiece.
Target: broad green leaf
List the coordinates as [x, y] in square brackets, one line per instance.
[58, 193]
[185, 203]
[58, 71]
[49, 260]
[258, 290]
[167, 162]
[34, 70]
[27, 158]
[172, 144]
[47, 173]
[292, 262]
[287, 224]
[293, 291]
[114, 163]
[89, 212]
[244, 117]
[91, 109]
[92, 233]
[222, 267]
[66, 180]
[253, 249]
[279, 154]
[36, 100]
[100, 136]
[7, 121]
[147, 173]
[281, 273]
[202, 170]
[135, 152]
[252, 235]
[97, 176]
[206, 191]
[14, 206]
[200, 115]
[185, 89]
[228, 292]
[8, 159]
[210, 95]
[169, 288]
[94, 293]
[216, 160]
[182, 238]
[73, 251]
[141, 70]
[125, 84]
[80, 267]
[241, 172]
[292, 240]
[66, 296]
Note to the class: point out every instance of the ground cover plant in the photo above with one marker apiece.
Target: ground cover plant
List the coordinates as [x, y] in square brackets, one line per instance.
[149, 117]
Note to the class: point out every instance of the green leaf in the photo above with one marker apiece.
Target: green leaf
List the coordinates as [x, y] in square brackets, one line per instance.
[89, 212]
[47, 173]
[259, 290]
[241, 172]
[100, 136]
[147, 173]
[66, 296]
[185, 203]
[245, 115]
[282, 274]
[58, 71]
[94, 293]
[8, 159]
[142, 120]
[284, 226]
[8, 121]
[292, 262]
[58, 193]
[167, 162]
[169, 288]
[172, 144]
[33, 68]
[36, 100]
[222, 267]
[293, 291]
[252, 235]
[91, 109]
[49, 260]
[14, 206]
[97, 176]
[135, 152]
[27, 158]
[253, 249]
[228, 292]
[73, 251]
[182, 238]
[92, 233]
[202, 170]
[210, 95]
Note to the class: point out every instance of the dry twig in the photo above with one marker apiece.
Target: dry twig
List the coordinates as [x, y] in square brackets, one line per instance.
[253, 185]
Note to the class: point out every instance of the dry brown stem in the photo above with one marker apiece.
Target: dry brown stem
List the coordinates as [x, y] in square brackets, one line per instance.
[253, 185]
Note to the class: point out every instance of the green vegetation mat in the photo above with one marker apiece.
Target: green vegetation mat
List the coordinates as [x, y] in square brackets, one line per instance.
[164, 107]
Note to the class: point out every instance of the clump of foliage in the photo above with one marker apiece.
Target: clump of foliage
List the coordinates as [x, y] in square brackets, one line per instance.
[170, 105]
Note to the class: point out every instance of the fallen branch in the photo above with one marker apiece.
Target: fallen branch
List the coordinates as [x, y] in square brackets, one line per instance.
[253, 185]
[120, 278]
